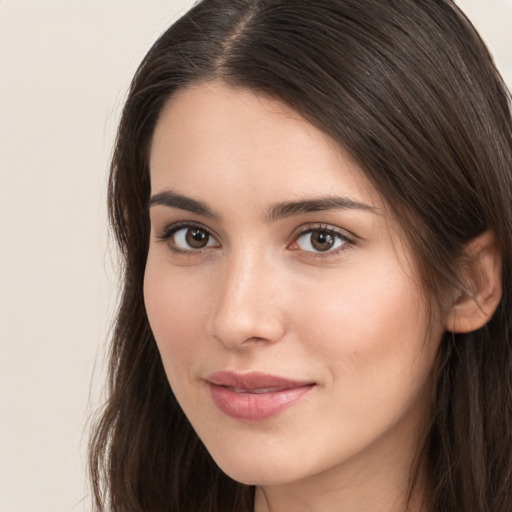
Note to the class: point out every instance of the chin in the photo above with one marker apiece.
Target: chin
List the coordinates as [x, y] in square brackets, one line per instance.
[258, 470]
[255, 476]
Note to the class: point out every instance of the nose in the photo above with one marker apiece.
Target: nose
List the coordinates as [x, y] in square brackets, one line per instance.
[250, 304]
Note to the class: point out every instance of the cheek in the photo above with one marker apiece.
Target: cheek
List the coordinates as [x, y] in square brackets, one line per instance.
[176, 312]
[371, 337]
[366, 324]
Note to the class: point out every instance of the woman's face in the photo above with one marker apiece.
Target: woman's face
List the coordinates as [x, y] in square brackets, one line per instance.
[285, 305]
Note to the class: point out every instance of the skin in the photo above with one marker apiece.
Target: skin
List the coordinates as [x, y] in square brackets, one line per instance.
[261, 297]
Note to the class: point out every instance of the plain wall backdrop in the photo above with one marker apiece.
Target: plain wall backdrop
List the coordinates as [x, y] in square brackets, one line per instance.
[65, 66]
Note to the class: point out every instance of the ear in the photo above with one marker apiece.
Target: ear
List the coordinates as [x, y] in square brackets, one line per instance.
[481, 273]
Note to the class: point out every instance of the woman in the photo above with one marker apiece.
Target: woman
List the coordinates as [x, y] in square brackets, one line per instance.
[313, 203]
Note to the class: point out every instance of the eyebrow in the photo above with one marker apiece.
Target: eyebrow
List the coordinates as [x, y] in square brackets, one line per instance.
[174, 200]
[321, 204]
[278, 211]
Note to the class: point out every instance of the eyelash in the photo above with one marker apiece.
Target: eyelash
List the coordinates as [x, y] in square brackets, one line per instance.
[346, 241]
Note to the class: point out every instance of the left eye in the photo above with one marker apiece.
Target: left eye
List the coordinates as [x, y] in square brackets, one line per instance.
[320, 240]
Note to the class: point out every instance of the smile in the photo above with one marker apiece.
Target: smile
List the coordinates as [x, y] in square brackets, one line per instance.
[254, 396]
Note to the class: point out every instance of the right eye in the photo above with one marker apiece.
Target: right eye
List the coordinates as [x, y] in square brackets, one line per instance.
[189, 238]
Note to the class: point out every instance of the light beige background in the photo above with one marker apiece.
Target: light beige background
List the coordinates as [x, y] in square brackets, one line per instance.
[64, 69]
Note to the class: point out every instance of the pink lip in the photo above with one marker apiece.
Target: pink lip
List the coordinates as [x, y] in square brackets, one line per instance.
[254, 396]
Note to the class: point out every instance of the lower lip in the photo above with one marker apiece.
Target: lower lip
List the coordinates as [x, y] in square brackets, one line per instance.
[255, 406]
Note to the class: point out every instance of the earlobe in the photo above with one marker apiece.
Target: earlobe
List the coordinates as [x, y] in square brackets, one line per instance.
[482, 277]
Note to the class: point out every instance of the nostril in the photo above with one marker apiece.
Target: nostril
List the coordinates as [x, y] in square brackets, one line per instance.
[237, 328]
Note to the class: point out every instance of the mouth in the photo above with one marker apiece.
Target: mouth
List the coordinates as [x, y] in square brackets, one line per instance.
[257, 391]
[254, 396]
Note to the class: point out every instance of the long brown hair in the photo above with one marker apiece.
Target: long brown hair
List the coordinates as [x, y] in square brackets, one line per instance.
[410, 90]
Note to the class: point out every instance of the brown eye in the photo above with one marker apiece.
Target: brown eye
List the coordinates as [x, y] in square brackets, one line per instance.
[321, 240]
[191, 238]
[197, 238]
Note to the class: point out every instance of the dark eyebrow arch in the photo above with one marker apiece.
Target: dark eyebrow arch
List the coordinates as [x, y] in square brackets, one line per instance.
[174, 200]
[291, 208]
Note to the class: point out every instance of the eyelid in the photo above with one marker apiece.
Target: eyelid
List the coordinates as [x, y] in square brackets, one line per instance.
[170, 229]
[322, 226]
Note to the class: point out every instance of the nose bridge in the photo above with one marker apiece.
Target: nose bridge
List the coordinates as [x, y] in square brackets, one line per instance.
[248, 303]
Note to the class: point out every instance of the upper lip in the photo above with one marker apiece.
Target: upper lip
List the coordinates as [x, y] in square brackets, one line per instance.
[254, 381]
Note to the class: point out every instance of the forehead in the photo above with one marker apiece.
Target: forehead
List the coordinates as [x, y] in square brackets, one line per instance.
[214, 136]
